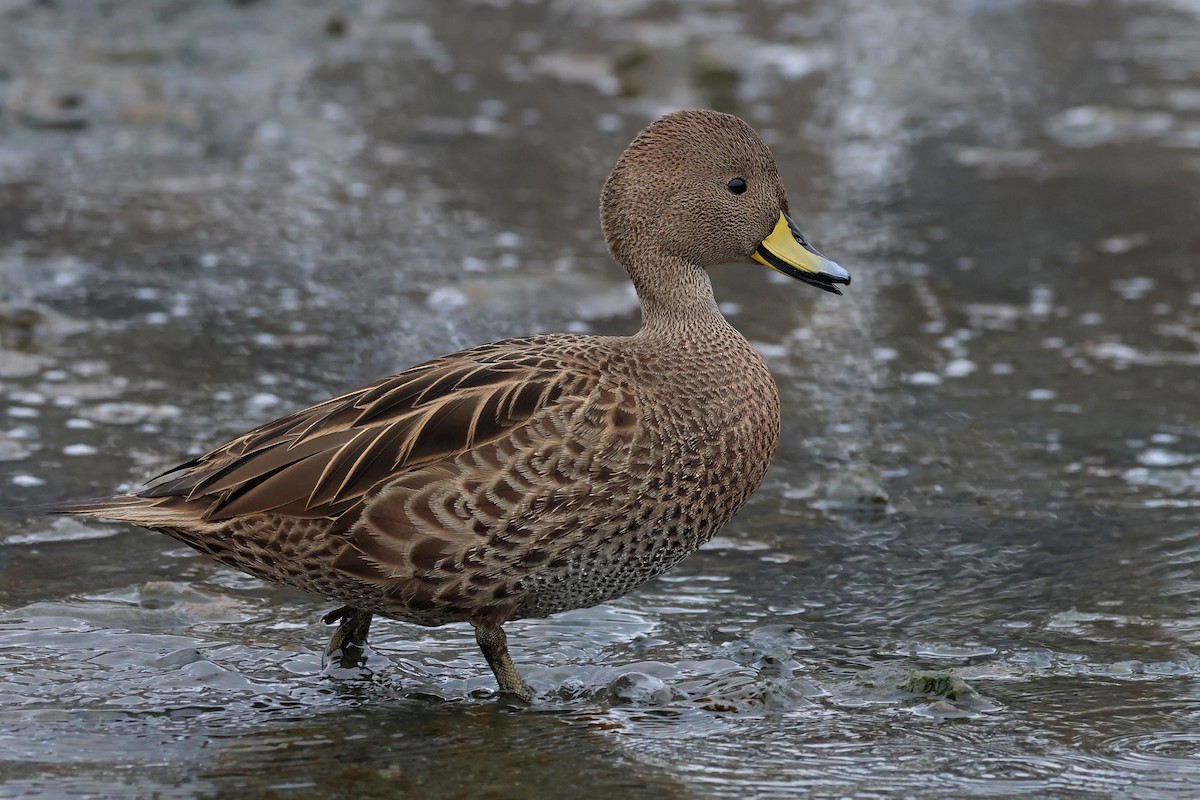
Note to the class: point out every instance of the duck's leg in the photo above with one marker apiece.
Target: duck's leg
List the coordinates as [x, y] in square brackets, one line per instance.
[494, 645]
[350, 639]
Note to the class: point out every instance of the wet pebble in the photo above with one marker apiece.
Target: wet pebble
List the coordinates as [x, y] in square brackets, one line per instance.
[638, 688]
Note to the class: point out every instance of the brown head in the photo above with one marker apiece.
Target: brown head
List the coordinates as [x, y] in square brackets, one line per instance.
[701, 187]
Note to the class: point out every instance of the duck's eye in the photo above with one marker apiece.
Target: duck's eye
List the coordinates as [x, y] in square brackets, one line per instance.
[737, 185]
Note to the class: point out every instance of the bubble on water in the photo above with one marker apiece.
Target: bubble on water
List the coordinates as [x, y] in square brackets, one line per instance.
[770, 350]
[1041, 394]
[993, 160]
[1041, 301]
[1033, 659]
[802, 334]
[923, 379]
[1159, 457]
[28, 398]
[23, 432]
[79, 450]
[509, 239]
[1132, 288]
[1164, 438]
[1091, 318]
[885, 354]
[609, 123]
[1122, 244]
[1127, 668]
[945, 650]
[1093, 126]
[994, 316]
[27, 480]
[447, 298]
[1121, 354]
[19, 365]
[959, 368]
[261, 401]
[1002, 368]
[729, 543]
[23, 412]
[128, 413]
[89, 369]
[63, 529]
[15, 449]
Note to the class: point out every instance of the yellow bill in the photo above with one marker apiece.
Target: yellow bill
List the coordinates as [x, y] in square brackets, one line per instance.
[787, 251]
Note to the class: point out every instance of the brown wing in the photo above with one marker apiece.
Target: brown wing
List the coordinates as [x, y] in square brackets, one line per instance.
[322, 461]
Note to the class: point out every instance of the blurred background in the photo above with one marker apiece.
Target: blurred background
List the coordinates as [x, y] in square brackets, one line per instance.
[972, 571]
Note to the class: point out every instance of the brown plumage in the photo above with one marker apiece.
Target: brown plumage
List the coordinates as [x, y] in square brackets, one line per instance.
[533, 475]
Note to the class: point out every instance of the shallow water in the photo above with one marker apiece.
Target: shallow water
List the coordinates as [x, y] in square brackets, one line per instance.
[973, 570]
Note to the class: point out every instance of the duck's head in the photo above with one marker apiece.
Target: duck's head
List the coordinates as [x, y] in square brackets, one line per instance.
[701, 186]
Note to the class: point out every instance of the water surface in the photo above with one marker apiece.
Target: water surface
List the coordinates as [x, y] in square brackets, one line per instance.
[972, 571]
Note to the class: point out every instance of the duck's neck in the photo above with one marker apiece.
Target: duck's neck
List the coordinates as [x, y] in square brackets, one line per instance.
[673, 293]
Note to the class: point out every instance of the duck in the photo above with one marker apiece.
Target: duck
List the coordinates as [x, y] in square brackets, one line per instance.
[528, 476]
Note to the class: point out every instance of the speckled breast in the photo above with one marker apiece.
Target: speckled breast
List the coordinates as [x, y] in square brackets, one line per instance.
[701, 461]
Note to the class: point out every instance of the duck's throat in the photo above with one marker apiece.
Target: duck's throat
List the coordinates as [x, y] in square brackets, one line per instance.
[672, 292]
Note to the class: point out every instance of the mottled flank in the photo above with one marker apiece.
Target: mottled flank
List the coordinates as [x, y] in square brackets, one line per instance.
[528, 476]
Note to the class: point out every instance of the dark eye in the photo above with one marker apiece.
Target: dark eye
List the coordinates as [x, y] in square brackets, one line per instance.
[737, 185]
